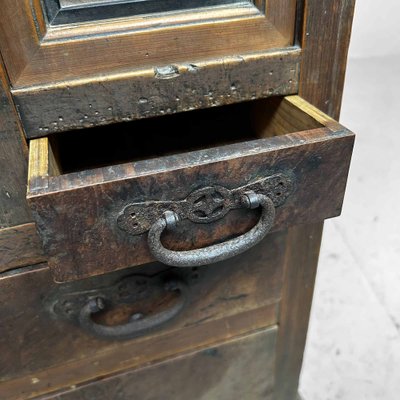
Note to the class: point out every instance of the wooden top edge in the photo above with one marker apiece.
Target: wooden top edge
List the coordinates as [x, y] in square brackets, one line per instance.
[122, 172]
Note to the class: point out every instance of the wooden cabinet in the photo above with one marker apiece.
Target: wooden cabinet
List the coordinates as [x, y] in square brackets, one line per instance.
[182, 159]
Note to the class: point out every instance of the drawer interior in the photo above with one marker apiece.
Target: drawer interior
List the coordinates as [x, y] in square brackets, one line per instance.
[156, 137]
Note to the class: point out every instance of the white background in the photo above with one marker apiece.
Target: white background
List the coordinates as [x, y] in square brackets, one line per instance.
[376, 29]
[353, 345]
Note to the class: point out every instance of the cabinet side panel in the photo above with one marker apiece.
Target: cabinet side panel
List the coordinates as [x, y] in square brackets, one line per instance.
[325, 40]
[13, 162]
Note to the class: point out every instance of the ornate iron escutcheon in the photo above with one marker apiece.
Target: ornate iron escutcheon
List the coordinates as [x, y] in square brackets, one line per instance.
[207, 205]
[204, 205]
[82, 307]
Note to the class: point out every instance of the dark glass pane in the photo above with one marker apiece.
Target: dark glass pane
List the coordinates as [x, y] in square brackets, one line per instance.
[72, 11]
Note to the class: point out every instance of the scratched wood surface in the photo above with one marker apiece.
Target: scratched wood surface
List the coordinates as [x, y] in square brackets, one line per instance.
[13, 161]
[242, 368]
[157, 90]
[19, 246]
[42, 353]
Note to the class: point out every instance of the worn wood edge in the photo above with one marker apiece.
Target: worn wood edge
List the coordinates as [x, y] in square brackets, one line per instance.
[19, 246]
[60, 378]
[102, 100]
[38, 166]
[99, 176]
[22, 270]
[301, 260]
[324, 57]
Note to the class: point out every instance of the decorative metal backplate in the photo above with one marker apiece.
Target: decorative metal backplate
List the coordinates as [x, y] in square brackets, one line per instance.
[204, 205]
[128, 290]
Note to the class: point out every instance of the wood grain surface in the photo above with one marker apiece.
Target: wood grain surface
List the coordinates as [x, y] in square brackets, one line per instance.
[13, 161]
[42, 354]
[33, 58]
[19, 246]
[242, 368]
[158, 90]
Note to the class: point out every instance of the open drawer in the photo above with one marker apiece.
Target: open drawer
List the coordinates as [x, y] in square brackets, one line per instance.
[188, 189]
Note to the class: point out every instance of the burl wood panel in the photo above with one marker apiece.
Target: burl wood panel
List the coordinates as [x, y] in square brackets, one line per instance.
[40, 354]
[242, 368]
[76, 213]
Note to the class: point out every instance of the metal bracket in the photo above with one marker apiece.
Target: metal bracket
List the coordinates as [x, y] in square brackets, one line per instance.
[128, 290]
[204, 205]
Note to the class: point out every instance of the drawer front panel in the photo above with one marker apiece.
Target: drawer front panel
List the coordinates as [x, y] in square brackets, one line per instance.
[79, 214]
[44, 347]
[241, 368]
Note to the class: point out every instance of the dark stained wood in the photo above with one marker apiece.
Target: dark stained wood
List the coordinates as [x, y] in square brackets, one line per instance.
[20, 245]
[13, 162]
[76, 213]
[41, 354]
[157, 91]
[242, 368]
[325, 40]
[325, 51]
[302, 250]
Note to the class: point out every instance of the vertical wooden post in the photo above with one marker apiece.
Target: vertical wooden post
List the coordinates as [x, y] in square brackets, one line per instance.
[325, 36]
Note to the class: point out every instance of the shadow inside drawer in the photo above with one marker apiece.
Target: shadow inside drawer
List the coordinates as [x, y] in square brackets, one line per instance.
[156, 137]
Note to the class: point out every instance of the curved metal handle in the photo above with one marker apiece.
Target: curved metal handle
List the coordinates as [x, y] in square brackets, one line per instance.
[217, 252]
[138, 324]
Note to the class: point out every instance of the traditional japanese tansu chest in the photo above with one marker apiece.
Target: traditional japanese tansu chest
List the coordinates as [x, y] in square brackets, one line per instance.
[165, 171]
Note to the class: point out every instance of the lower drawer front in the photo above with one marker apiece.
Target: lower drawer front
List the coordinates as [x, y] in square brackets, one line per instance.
[44, 347]
[242, 368]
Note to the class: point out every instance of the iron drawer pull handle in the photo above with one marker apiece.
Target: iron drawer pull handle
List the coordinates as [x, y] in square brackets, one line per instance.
[138, 324]
[217, 252]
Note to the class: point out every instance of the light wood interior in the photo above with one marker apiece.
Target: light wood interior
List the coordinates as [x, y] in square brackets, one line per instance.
[157, 137]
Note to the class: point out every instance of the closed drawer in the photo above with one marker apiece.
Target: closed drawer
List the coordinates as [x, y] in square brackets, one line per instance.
[45, 347]
[97, 219]
[242, 368]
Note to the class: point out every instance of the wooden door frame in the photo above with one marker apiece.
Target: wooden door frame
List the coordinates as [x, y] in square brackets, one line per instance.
[38, 54]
